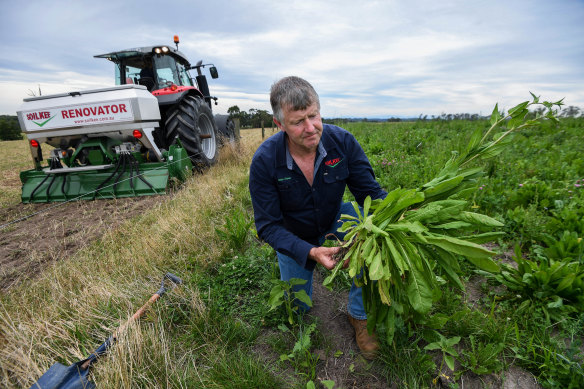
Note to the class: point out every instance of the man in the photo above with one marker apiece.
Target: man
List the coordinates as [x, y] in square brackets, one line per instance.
[147, 74]
[297, 180]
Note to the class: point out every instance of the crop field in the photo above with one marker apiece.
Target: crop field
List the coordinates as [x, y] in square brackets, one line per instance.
[522, 327]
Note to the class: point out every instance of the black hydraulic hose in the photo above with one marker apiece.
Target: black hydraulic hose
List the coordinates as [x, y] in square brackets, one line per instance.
[140, 175]
[63, 185]
[38, 186]
[50, 184]
[54, 164]
[132, 175]
[124, 158]
[107, 179]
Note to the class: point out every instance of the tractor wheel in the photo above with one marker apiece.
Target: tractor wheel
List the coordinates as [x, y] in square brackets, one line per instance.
[191, 121]
[226, 128]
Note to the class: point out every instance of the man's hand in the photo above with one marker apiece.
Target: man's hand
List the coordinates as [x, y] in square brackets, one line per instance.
[325, 256]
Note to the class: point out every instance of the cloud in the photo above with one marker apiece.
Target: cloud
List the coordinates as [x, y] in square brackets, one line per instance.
[374, 58]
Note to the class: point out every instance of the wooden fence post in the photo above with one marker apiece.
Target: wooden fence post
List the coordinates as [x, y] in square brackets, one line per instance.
[237, 128]
[263, 130]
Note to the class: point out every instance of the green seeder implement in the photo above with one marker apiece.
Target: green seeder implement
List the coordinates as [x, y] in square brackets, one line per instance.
[129, 176]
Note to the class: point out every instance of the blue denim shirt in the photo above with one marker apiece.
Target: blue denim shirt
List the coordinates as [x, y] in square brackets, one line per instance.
[291, 215]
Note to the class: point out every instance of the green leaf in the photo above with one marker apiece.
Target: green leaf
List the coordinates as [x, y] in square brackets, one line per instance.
[276, 297]
[495, 116]
[566, 282]
[484, 237]
[395, 254]
[449, 362]
[403, 225]
[303, 297]
[366, 205]
[477, 255]
[310, 385]
[518, 109]
[475, 139]
[449, 265]
[480, 219]
[451, 226]
[557, 303]
[329, 384]
[383, 288]
[296, 281]
[376, 267]
[458, 246]
[433, 346]
[444, 186]
[419, 292]
[452, 341]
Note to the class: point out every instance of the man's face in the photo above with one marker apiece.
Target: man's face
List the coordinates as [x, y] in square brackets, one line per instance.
[303, 127]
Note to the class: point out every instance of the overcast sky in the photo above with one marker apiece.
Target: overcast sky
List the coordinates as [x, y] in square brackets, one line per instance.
[365, 58]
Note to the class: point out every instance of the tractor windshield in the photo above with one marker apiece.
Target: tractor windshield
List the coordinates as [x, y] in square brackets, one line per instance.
[169, 70]
[154, 72]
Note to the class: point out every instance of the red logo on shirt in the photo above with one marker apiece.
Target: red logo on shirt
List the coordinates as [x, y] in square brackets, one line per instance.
[332, 162]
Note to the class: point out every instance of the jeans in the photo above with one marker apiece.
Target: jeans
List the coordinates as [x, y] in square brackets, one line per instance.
[289, 268]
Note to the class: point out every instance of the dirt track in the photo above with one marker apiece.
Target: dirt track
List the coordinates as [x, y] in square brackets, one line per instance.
[57, 231]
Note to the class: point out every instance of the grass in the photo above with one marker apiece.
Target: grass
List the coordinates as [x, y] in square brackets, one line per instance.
[19, 159]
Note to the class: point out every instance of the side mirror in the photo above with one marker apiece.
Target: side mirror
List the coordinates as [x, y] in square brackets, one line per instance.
[213, 71]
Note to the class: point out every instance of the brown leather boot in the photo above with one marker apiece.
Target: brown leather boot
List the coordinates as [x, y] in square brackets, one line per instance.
[367, 343]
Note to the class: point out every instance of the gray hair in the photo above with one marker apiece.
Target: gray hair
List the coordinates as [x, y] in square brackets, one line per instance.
[293, 92]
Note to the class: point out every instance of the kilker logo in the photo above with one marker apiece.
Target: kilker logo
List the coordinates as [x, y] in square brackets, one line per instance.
[333, 162]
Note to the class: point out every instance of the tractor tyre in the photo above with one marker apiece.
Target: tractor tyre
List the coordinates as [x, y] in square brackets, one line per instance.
[226, 128]
[191, 121]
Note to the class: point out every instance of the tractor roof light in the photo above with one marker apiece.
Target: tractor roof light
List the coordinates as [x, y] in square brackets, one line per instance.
[137, 134]
[34, 143]
[161, 50]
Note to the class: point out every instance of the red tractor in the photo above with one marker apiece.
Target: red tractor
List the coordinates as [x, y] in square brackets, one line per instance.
[184, 102]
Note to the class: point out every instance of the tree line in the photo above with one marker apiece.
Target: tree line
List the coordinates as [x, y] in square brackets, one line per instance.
[9, 128]
[251, 119]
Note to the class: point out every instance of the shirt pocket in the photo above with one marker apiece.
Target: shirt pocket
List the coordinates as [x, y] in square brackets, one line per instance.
[335, 179]
[292, 196]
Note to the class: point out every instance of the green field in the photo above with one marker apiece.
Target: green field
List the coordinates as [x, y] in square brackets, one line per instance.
[217, 331]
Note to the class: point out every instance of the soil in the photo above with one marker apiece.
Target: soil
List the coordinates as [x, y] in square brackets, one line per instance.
[56, 231]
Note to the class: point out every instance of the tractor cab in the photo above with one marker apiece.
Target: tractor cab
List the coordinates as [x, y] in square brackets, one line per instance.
[163, 70]
[155, 67]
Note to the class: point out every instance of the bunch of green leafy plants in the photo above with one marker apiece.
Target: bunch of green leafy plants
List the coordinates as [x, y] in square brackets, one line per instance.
[554, 287]
[236, 230]
[396, 245]
[301, 357]
[240, 285]
[283, 293]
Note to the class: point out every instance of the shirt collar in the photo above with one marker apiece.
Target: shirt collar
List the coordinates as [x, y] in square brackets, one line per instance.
[321, 155]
